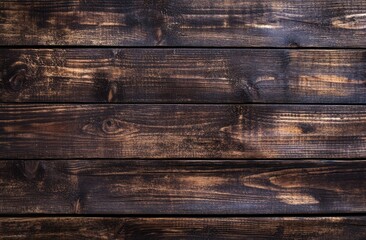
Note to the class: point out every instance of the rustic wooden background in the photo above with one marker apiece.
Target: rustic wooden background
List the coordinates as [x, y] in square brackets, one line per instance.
[183, 119]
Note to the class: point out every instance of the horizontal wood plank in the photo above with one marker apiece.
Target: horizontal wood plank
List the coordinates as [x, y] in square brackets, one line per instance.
[273, 23]
[31, 131]
[182, 186]
[182, 76]
[324, 228]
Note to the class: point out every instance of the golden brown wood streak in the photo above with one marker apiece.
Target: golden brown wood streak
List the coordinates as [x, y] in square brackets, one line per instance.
[269, 23]
[182, 76]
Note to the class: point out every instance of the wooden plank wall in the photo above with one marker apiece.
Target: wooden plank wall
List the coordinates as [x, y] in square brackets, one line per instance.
[156, 119]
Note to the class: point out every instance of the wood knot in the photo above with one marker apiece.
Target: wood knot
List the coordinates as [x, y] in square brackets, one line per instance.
[157, 14]
[77, 206]
[108, 126]
[107, 90]
[29, 169]
[238, 110]
[157, 20]
[158, 35]
[112, 92]
[294, 45]
[306, 128]
[111, 126]
[17, 80]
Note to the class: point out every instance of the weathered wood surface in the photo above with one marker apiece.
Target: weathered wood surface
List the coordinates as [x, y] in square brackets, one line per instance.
[324, 228]
[31, 131]
[276, 23]
[182, 186]
[62, 152]
[182, 75]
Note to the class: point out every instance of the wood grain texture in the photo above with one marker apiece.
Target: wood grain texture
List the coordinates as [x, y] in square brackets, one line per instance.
[291, 228]
[182, 76]
[31, 131]
[182, 186]
[276, 23]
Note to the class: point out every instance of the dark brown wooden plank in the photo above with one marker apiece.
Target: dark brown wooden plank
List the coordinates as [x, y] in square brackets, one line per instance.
[31, 131]
[324, 228]
[276, 23]
[182, 186]
[182, 75]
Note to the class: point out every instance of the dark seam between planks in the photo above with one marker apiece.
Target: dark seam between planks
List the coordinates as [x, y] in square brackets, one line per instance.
[172, 47]
[193, 159]
[179, 103]
[306, 215]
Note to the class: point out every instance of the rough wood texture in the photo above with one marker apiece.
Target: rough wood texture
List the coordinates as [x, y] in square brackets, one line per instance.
[182, 75]
[180, 144]
[280, 23]
[324, 228]
[34, 131]
[182, 186]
